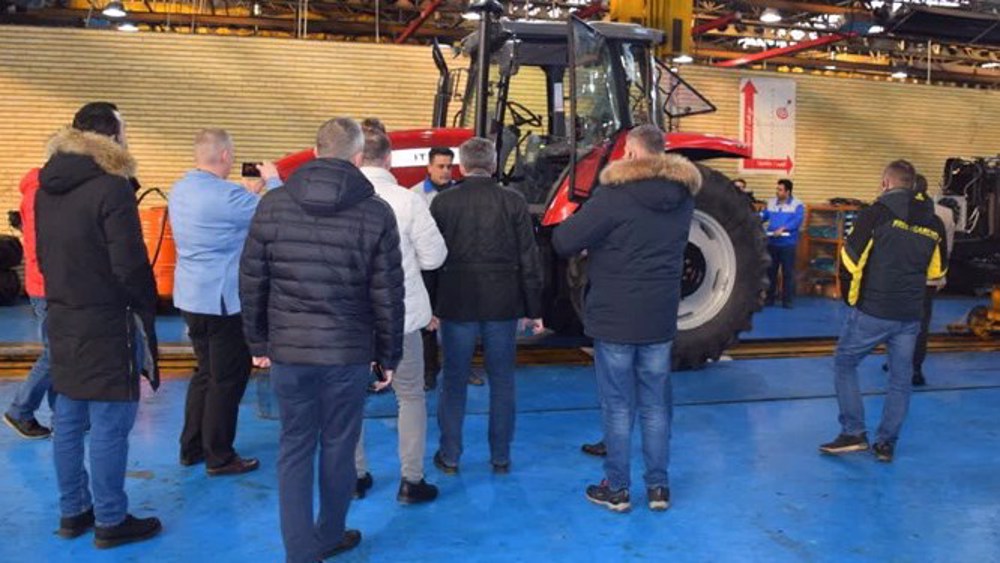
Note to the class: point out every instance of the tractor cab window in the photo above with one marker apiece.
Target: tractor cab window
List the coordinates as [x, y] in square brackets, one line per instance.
[636, 64]
[596, 97]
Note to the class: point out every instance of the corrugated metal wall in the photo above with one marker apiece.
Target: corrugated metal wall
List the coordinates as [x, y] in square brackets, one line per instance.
[847, 130]
[273, 93]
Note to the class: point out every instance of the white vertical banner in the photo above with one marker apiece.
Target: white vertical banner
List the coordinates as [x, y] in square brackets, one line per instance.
[767, 124]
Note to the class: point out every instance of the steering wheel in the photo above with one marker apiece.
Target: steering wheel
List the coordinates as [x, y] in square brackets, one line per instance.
[517, 114]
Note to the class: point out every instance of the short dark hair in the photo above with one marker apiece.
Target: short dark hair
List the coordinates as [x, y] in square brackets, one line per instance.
[373, 123]
[440, 151]
[902, 172]
[920, 184]
[377, 148]
[98, 117]
[340, 137]
[787, 184]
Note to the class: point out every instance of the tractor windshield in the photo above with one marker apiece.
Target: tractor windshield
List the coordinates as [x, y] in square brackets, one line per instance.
[596, 97]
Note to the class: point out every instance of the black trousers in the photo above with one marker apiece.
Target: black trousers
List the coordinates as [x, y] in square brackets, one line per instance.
[920, 352]
[783, 256]
[215, 391]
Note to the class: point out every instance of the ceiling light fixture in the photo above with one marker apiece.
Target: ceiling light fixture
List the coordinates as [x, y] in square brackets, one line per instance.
[830, 67]
[128, 27]
[114, 9]
[683, 59]
[875, 29]
[991, 65]
[770, 15]
[899, 73]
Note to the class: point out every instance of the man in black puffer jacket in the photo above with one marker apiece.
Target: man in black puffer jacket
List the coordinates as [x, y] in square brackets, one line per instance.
[100, 292]
[635, 230]
[492, 277]
[321, 285]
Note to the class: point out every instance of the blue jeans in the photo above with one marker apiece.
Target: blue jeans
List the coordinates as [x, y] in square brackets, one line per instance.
[30, 393]
[860, 335]
[110, 424]
[783, 256]
[319, 405]
[458, 339]
[635, 379]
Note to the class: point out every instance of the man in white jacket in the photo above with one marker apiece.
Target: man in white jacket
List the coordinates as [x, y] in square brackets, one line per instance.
[423, 248]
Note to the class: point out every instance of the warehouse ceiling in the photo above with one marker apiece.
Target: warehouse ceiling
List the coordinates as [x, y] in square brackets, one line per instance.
[940, 41]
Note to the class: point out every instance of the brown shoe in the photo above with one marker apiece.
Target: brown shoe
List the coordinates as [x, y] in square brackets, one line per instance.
[351, 540]
[237, 466]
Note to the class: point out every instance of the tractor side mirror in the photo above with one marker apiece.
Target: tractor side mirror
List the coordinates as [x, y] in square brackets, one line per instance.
[507, 58]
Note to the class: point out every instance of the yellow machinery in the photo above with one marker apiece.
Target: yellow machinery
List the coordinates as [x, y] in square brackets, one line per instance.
[673, 17]
[982, 320]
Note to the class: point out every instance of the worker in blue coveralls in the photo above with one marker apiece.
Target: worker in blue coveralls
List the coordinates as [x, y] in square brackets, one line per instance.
[783, 216]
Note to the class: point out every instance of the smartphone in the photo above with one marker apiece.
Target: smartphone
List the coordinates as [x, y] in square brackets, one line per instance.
[250, 170]
[379, 372]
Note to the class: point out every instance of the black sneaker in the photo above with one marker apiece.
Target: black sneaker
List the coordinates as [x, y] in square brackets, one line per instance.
[602, 494]
[597, 449]
[918, 379]
[884, 451]
[444, 467]
[845, 443]
[659, 498]
[131, 530]
[76, 526]
[501, 468]
[351, 540]
[27, 429]
[364, 484]
[416, 493]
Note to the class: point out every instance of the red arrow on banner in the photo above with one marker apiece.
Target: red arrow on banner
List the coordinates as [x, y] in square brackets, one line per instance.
[749, 91]
[785, 164]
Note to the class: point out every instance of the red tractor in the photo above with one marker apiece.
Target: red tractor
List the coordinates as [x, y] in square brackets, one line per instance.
[559, 99]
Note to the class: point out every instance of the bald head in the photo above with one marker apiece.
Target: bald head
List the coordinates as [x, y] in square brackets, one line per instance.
[213, 151]
[340, 137]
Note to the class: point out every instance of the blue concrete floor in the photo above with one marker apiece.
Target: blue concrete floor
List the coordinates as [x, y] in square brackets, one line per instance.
[811, 317]
[746, 480]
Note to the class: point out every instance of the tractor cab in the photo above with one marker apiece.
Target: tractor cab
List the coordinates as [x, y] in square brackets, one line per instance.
[558, 99]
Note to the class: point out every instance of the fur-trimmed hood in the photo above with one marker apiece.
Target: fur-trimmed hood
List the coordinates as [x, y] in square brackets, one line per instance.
[78, 156]
[673, 167]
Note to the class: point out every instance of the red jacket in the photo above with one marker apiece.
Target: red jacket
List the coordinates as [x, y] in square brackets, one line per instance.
[33, 281]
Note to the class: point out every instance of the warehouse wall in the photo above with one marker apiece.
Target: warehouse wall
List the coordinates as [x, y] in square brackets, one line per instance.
[847, 130]
[272, 93]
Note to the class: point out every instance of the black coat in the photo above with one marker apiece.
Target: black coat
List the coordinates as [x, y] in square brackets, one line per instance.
[97, 274]
[635, 230]
[321, 279]
[493, 271]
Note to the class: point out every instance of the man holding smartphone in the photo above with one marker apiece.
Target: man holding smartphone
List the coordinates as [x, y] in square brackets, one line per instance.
[321, 283]
[210, 217]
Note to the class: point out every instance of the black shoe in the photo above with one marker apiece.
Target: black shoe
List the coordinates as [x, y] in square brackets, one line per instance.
[659, 498]
[918, 380]
[237, 466]
[501, 468]
[788, 305]
[189, 460]
[363, 485]
[76, 526]
[444, 467]
[131, 530]
[416, 493]
[884, 451]
[602, 494]
[351, 540]
[845, 443]
[597, 449]
[27, 429]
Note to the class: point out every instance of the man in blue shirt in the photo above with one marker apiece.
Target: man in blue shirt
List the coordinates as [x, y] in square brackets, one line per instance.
[210, 217]
[783, 216]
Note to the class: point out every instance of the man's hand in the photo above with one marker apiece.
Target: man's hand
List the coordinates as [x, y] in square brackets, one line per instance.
[268, 171]
[380, 385]
[253, 185]
[536, 326]
[779, 230]
[433, 325]
[262, 362]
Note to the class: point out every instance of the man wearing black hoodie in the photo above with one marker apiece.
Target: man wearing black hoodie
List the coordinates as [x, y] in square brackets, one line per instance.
[321, 285]
[634, 229]
[101, 303]
[896, 245]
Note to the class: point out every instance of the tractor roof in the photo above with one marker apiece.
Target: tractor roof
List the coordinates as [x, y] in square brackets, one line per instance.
[556, 32]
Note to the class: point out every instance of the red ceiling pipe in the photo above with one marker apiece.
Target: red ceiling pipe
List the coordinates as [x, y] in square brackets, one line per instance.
[717, 23]
[595, 8]
[797, 48]
[419, 20]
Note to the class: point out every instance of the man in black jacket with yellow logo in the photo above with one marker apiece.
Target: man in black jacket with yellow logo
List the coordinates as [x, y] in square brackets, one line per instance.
[492, 277]
[101, 298]
[896, 245]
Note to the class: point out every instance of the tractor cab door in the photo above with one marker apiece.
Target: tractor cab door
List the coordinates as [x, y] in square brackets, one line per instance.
[596, 108]
[674, 98]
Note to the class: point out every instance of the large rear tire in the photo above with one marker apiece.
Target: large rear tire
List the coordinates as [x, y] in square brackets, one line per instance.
[725, 274]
